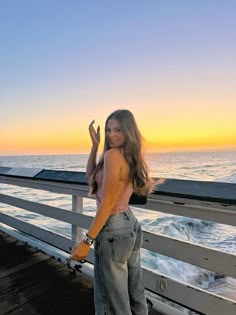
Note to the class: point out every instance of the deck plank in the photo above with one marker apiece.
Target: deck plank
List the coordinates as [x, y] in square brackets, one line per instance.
[32, 283]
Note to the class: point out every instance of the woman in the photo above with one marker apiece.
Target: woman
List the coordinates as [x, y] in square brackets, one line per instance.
[117, 234]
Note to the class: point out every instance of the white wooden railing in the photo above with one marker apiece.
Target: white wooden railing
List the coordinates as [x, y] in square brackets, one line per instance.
[202, 200]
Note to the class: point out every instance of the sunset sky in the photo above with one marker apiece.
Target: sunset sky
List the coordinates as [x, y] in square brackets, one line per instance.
[65, 63]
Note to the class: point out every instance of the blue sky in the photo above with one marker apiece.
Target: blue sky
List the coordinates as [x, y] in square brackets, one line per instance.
[64, 63]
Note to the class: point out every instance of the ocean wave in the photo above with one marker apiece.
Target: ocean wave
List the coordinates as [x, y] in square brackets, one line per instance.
[227, 179]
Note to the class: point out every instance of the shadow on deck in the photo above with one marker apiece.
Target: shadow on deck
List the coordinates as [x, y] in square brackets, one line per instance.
[33, 283]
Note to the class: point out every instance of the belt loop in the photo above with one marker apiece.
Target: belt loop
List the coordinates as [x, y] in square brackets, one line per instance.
[126, 216]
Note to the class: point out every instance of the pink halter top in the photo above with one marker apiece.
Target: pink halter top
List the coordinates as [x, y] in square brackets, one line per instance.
[122, 204]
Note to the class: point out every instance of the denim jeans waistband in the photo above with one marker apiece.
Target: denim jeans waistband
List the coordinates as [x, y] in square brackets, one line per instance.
[127, 215]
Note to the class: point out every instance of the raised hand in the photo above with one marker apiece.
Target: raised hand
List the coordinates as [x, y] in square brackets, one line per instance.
[94, 134]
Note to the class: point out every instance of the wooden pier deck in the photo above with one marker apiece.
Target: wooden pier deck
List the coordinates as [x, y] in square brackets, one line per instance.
[32, 283]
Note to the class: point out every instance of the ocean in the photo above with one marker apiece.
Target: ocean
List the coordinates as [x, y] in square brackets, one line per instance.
[215, 166]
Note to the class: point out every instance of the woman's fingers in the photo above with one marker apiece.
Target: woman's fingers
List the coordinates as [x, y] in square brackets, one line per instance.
[91, 124]
[80, 251]
[94, 134]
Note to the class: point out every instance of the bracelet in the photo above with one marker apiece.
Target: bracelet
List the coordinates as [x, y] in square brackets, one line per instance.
[88, 240]
[90, 237]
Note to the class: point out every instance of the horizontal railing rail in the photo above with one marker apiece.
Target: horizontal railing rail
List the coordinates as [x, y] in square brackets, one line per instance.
[202, 200]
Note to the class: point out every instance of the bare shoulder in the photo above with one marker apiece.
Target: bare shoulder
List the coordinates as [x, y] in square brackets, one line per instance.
[114, 159]
[113, 153]
[114, 156]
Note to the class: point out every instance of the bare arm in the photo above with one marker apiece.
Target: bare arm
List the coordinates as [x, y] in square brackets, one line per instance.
[112, 170]
[92, 162]
[95, 137]
[111, 180]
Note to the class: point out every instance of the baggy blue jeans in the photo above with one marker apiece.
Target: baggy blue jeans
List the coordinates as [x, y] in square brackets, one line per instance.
[118, 288]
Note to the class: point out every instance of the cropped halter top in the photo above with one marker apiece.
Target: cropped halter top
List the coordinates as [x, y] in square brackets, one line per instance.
[122, 204]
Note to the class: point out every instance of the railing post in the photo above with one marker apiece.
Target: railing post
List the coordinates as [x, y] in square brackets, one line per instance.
[77, 206]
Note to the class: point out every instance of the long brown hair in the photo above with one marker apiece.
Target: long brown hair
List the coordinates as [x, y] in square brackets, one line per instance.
[133, 153]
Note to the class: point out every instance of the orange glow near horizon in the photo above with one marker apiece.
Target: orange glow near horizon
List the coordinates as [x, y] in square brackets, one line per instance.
[71, 141]
[190, 140]
[163, 129]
